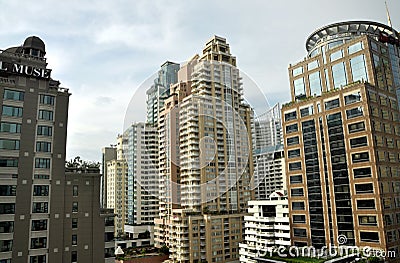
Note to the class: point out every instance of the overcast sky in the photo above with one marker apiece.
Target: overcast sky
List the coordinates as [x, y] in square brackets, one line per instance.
[104, 50]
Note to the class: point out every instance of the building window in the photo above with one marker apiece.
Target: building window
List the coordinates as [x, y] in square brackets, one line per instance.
[298, 206]
[40, 207]
[356, 127]
[10, 127]
[109, 252]
[312, 65]
[292, 140]
[74, 223]
[46, 99]
[315, 83]
[45, 115]
[295, 166]
[38, 242]
[299, 232]
[13, 95]
[290, 116]
[352, 98]
[294, 153]
[43, 163]
[366, 204]
[292, 128]
[307, 111]
[40, 190]
[367, 220]
[43, 146]
[355, 112]
[297, 71]
[6, 144]
[6, 245]
[45, 130]
[358, 69]
[37, 259]
[12, 111]
[75, 207]
[74, 240]
[108, 236]
[75, 190]
[6, 226]
[8, 190]
[369, 237]
[297, 192]
[7, 208]
[39, 225]
[299, 219]
[74, 256]
[359, 142]
[332, 104]
[355, 48]
[364, 188]
[299, 88]
[360, 157]
[339, 75]
[296, 179]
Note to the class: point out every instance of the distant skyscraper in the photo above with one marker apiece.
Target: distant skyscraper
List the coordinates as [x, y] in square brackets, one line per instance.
[342, 138]
[208, 158]
[159, 91]
[108, 154]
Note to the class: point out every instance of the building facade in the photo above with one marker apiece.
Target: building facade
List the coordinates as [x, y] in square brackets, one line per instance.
[107, 154]
[266, 228]
[208, 160]
[341, 135]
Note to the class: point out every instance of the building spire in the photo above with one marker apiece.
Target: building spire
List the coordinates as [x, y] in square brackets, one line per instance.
[388, 15]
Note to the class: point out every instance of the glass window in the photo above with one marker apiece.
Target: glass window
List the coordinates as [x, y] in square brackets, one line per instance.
[38, 259]
[46, 99]
[13, 95]
[38, 242]
[332, 104]
[307, 111]
[74, 223]
[292, 128]
[74, 207]
[355, 112]
[336, 55]
[296, 179]
[8, 190]
[290, 116]
[6, 226]
[299, 232]
[334, 44]
[39, 225]
[74, 240]
[358, 142]
[315, 83]
[45, 130]
[8, 162]
[352, 98]
[367, 220]
[292, 140]
[7, 208]
[369, 237]
[327, 78]
[6, 144]
[43, 163]
[297, 71]
[45, 115]
[75, 190]
[40, 190]
[312, 65]
[355, 47]
[74, 256]
[366, 204]
[339, 75]
[294, 153]
[299, 219]
[298, 206]
[6, 245]
[10, 127]
[358, 68]
[12, 111]
[297, 192]
[43, 146]
[295, 166]
[40, 207]
[299, 88]
[364, 188]
[360, 157]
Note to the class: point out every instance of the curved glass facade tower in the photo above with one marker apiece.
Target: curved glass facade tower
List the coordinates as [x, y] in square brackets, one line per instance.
[342, 138]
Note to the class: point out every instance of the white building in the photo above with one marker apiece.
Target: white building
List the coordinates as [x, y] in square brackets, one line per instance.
[266, 228]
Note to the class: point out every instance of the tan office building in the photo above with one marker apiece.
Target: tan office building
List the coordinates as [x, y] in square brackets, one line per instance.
[205, 159]
[342, 138]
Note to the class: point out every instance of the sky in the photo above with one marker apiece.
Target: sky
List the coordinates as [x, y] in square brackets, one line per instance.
[106, 52]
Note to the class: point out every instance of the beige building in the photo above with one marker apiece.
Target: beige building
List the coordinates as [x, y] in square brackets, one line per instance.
[342, 138]
[117, 172]
[205, 159]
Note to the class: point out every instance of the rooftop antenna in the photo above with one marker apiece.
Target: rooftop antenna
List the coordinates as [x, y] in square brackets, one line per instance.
[388, 15]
